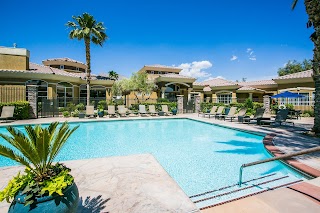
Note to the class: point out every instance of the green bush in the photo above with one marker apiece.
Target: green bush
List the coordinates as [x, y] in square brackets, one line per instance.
[248, 103]
[80, 107]
[309, 112]
[257, 105]
[21, 110]
[66, 114]
[161, 100]
[289, 106]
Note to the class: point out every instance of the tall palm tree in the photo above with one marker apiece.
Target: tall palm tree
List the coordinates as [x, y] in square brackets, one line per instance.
[88, 29]
[113, 75]
[313, 11]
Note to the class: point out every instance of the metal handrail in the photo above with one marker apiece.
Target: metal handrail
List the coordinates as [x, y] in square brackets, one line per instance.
[306, 151]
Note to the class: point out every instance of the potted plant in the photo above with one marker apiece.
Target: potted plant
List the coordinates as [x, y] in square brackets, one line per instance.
[100, 111]
[80, 107]
[44, 186]
[174, 110]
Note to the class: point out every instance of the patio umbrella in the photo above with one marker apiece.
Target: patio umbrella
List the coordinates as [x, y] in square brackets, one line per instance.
[287, 95]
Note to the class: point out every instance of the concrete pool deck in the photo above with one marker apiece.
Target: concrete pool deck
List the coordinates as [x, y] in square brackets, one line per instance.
[287, 139]
[135, 183]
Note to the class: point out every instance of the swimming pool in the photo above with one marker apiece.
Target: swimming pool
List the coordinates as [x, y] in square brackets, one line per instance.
[199, 156]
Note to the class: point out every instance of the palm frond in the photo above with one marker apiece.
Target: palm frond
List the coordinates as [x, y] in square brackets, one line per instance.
[294, 3]
[9, 153]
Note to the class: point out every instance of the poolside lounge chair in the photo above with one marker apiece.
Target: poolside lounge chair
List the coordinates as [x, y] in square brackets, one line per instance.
[258, 116]
[230, 115]
[165, 110]
[90, 112]
[112, 111]
[218, 112]
[142, 110]
[7, 113]
[212, 111]
[241, 114]
[280, 118]
[152, 110]
[122, 111]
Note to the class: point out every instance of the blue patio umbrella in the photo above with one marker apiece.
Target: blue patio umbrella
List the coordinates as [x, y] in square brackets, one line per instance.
[287, 95]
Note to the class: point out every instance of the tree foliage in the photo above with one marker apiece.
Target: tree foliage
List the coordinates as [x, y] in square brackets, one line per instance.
[138, 83]
[113, 75]
[294, 67]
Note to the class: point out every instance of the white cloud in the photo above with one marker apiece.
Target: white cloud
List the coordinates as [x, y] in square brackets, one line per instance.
[211, 78]
[251, 55]
[196, 69]
[234, 57]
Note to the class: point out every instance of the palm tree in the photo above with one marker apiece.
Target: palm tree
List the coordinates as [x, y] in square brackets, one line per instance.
[87, 28]
[37, 148]
[113, 75]
[313, 11]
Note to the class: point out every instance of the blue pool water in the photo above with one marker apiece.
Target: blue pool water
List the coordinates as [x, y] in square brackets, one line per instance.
[199, 156]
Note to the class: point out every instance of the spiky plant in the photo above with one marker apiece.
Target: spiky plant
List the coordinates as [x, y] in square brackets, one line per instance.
[37, 148]
[313, 11]
[86, 28]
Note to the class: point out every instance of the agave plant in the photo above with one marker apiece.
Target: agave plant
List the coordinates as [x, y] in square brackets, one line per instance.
[38, 147]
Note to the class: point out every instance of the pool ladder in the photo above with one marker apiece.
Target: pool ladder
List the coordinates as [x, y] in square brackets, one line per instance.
[282, 157]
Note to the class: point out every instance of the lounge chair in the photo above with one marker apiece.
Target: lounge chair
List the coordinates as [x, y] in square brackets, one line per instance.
[165, 110]
[112, 111]
[152, 110]
[258, 116]
[218, 112]
[122, 111]
[142, 110]
[90, 112]
[280, 118]
[212, 111]
[7, 113]
[241, 114]
[230, 115]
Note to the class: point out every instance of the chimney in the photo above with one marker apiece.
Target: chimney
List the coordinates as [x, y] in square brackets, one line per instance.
[14, 58]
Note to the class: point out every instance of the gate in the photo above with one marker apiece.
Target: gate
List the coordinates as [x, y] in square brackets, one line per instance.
[48, 108]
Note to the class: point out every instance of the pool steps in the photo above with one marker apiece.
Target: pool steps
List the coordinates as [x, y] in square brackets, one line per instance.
[234, 192]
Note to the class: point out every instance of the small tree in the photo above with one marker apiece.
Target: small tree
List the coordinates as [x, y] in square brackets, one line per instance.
[138, 84]
[294, 67]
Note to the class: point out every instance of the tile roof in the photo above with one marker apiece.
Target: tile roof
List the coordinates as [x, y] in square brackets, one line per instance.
[173, 75]
[36, 68]
[162, 66]
[248, 88]
[257, 83]
[216, 82]
[304, 74]
[64, 59]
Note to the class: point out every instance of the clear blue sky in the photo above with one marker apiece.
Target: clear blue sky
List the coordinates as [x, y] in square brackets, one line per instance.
[232, 39]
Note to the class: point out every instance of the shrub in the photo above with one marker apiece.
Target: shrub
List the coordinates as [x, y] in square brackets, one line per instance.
[289, 106]
[161, 100]
[309, 112]
[80, 106]
[257, 105]
[66, 114]
[248, 103]
[21, 110]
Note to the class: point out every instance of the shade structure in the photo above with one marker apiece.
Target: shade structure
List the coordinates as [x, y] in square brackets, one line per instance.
[287, 95]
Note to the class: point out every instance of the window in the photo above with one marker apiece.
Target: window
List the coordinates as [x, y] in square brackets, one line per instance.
[64, 93]
[160, 72]
[225, 98]
[151, 72]
[42, 88]
[166, 72]
[77, 68]
[61, 67]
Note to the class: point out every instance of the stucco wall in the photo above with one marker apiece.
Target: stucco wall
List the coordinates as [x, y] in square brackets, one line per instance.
[14, 62]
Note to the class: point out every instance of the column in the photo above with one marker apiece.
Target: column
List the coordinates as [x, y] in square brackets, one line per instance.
[250, 95]
[163, 89]
[33, 100]
[189, 93]
[266, 103]
[180, 104]
[197, 103]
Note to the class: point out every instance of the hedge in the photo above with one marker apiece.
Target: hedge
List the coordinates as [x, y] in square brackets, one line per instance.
[21, 110]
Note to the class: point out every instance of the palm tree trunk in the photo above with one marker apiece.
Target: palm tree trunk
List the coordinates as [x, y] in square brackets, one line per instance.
[87, 43]
[313, 11]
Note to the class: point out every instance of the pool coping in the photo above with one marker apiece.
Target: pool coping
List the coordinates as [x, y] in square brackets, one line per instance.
[291, 162]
